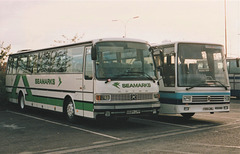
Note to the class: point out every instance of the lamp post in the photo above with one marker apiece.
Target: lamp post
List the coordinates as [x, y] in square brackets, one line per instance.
[125, 24]
[225, 25]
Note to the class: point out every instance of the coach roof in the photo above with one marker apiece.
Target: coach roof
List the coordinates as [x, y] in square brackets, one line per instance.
[79, 43]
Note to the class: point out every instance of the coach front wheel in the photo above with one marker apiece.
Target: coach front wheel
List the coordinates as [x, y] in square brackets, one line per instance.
[69, 111]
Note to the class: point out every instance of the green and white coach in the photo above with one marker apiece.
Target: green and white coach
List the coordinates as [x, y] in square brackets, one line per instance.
[108, 77]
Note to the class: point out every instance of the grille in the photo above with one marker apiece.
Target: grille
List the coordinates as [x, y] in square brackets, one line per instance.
[210, 99]
[126, 97]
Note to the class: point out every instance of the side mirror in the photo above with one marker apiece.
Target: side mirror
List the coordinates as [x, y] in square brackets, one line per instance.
[94, 53]
[237, 62]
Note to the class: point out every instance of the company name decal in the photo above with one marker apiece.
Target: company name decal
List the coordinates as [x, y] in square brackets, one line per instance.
[136, 85]
[131, 85]
[45, 81]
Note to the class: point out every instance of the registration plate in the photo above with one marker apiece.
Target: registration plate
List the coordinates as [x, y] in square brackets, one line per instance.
[208, 108]
[133, 112]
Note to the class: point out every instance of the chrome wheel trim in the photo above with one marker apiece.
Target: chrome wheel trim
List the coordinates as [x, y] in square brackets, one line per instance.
[70, 110]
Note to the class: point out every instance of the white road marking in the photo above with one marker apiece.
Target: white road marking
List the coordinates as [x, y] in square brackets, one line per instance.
[71, 150]
[12, 126]
[213, 145]
[166, 151]
[81, 129]
[119, 141]
[100, 142]
[237, 127]
[166, 123]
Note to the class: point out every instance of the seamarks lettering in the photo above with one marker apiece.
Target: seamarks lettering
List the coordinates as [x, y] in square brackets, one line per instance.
[136, 85]
[45, 81]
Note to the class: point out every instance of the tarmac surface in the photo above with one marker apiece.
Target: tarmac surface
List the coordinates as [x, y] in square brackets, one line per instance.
[41, 131]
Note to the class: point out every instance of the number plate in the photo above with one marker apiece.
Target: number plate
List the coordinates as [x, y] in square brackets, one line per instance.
[208, 108]
[133, 112]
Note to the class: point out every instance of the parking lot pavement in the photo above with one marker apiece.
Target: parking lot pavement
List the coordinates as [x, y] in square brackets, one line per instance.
[31, 133]
[40, 131]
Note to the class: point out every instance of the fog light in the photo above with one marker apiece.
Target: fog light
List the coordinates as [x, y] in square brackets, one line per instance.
[225, 107]
[226, 98]
[157, 95]
[186, 108]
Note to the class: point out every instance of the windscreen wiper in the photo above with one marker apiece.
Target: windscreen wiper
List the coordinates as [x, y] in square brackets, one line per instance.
[144, 74]
[207, 84]
[219, 83]
[127, 74]
[197, 85]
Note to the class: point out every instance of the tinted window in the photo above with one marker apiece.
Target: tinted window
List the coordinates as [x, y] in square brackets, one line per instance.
[32, 63]
[22, 64]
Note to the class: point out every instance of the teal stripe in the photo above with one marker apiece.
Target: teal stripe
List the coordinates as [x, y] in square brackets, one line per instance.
[179, 95]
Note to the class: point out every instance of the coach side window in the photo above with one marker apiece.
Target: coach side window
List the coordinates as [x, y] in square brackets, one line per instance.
[76, 62]
[22, 64]
[32, 63]
[59, 60]
[15, 64]
[45, 62]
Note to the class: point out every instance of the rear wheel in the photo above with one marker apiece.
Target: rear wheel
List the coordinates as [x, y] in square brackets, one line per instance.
[187, 115]
[21, 102]
[70, 111]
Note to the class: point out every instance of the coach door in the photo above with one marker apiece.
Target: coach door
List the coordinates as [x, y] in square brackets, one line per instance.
[88, 83]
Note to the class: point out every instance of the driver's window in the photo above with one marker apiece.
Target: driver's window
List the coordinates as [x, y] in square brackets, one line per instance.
[168, 66]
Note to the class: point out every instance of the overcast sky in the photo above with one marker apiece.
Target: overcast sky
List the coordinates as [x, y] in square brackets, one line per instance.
[34, 24]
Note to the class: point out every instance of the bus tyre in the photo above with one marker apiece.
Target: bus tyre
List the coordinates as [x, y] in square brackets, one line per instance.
[21, 102]
[187, 115]
[69, 111]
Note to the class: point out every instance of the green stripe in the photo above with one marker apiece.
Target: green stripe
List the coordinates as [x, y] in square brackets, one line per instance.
[84, 106]
[44, 100]
[26, 84]
[78, 105]
[49, 101]
[14, 90]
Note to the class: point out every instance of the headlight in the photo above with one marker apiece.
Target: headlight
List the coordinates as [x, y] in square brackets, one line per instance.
[226, 98]
[187, 99]
[157, 95]
[103, 97]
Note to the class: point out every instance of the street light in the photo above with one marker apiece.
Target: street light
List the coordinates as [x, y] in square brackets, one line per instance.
[125, 24]
[225, 25]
